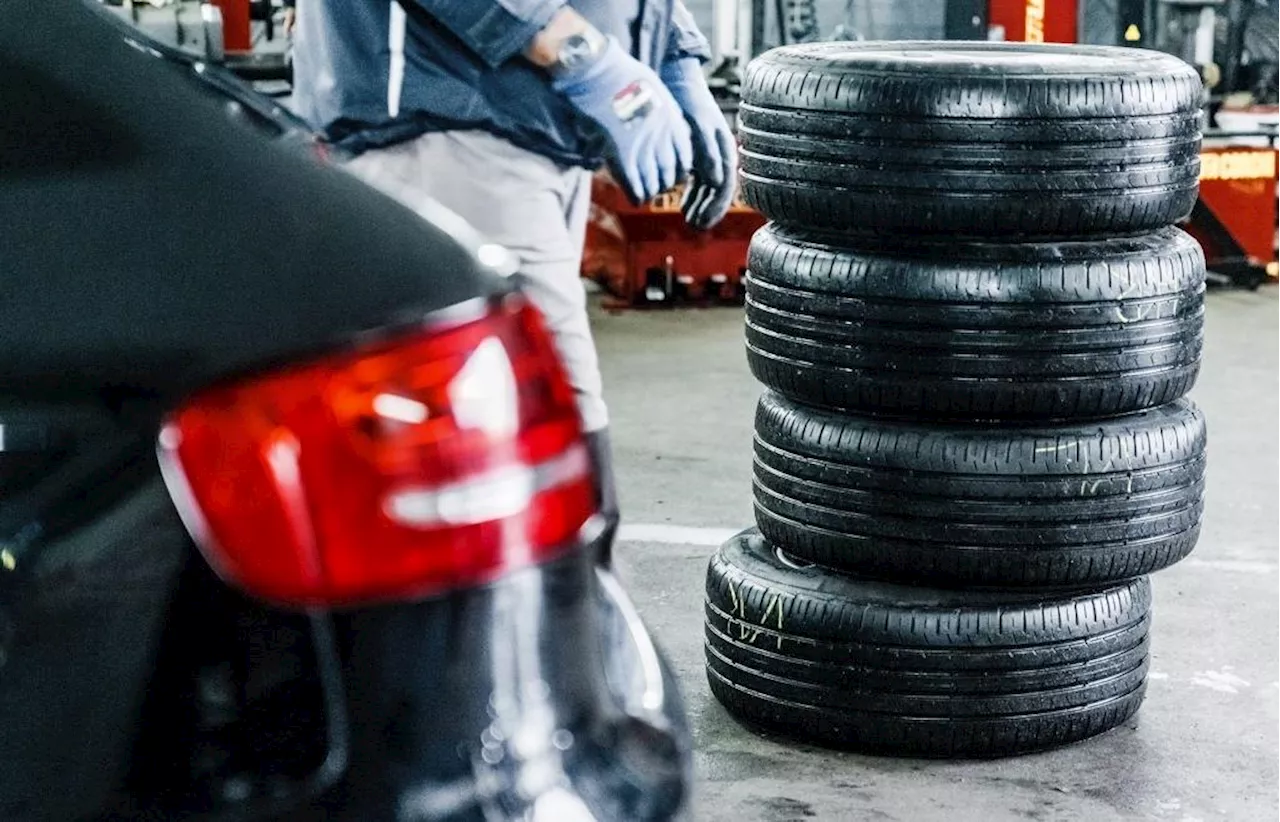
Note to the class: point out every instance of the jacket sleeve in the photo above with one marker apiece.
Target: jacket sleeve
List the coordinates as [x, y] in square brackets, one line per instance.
[496, 30]
[685, 39]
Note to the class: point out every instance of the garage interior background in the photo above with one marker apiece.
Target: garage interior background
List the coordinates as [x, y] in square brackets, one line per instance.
[645, 257]
[1086, 21]
[872, 19]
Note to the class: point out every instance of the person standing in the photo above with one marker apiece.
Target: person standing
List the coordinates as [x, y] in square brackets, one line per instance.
[500, 109]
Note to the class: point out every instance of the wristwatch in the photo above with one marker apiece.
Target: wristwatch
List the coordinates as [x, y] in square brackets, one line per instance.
[578, 51]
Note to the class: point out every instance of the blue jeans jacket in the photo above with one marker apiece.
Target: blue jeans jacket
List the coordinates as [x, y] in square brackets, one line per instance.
[370, 73]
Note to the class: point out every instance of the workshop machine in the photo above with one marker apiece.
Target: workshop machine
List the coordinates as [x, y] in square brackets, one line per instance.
[645, 256]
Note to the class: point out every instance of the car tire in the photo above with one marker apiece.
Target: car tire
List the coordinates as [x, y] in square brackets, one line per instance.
[970, 330]
[988, 139]
[902, 670]
[1078, 504]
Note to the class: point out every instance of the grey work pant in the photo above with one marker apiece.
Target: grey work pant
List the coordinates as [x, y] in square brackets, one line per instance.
[534, 207]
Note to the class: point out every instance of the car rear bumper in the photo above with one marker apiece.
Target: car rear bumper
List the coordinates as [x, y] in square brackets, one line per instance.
[539, 697]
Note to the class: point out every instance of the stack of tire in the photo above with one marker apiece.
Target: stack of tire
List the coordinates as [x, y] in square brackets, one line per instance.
[976, 324]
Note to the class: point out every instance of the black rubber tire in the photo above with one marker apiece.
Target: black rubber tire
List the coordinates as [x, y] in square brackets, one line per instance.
[984, 139]
[969, 330]
[917, 671]
[1074, 504]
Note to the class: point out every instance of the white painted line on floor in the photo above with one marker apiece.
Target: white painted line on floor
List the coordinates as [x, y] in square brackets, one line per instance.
[674, 534]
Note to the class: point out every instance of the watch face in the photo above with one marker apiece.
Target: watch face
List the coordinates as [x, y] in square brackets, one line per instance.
[575, 50]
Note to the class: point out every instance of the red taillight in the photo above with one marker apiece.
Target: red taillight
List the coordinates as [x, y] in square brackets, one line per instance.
[436, 460]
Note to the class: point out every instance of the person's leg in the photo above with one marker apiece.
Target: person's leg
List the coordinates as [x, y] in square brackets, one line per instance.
[519, 200]
[538, 210]
[577, 210]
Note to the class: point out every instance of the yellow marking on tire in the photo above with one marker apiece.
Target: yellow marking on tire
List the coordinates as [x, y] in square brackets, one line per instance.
[774, 604]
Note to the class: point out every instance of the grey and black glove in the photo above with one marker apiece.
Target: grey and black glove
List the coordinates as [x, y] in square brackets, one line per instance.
[715, 150]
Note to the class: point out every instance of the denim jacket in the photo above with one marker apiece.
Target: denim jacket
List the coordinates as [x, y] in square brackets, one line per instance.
[370, 73]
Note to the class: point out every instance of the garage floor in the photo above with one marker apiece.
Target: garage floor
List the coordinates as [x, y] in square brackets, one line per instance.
[1204, 746]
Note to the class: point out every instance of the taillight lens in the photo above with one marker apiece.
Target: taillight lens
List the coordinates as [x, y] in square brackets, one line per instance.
[436, 460]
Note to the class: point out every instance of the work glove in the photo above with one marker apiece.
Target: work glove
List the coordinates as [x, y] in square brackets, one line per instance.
[715, 151]
[650, 146]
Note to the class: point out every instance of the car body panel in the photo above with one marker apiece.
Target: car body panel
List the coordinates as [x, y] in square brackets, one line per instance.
[79, 626]
[154, 244]
[505, 701]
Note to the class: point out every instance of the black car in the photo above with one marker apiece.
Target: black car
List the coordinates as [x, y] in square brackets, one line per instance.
[296, 519]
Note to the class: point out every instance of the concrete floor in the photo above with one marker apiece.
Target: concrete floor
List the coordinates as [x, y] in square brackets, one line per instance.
[1203, 747]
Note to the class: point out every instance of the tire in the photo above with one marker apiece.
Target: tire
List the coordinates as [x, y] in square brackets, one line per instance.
[984, 139]
[1059, 330]
[976, 505]
[916, 671]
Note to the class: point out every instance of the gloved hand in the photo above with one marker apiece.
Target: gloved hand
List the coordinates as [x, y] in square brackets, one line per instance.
[715, 151]
[651, 147]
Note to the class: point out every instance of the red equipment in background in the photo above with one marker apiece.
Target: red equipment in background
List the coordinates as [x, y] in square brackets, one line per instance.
[249, 53]
[1035, 21]
[1235, 217]
[646, 255]
[236, 34]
